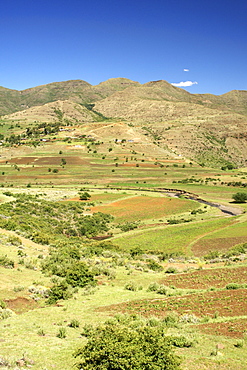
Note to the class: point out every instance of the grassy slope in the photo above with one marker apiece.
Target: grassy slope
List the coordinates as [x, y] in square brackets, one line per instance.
[85, 169]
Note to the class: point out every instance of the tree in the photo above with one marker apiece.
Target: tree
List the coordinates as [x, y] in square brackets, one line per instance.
[240, 197]
[119, 347]
[78, 274]
[84, 196]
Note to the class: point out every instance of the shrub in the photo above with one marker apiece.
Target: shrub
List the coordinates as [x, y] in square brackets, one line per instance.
[84, 196]
[189, 318]
[171, 270]
[212, 255]
[6, 262]
[152, 265]
[127, 226]
[236, 250]
[74, 323]
[14, 240]
[41, 333]
[240, 197]
[171, 320]
[78, 274]
[2, 304]
[131, 286]
[153, 287]
[233, 286]
[5, 313]
[119, 347]
[181, 342]
[59, 291]
[162, 289]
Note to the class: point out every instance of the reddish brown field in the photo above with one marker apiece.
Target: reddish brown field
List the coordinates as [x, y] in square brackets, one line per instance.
[233, 329]
[227, 303]
[203, 247]
[144, 207]
[75, 160]
[204, 279]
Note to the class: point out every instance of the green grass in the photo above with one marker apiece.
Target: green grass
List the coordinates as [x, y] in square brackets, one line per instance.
[170, 239]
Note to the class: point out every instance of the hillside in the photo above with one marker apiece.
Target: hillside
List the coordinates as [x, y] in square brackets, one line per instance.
[206, 128]
[77, 90]
[70, 113]
[118, 212]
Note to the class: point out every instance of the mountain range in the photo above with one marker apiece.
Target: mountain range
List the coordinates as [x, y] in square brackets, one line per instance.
[203, 127]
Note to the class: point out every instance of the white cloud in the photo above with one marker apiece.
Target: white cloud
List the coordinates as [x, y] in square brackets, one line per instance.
[186, 70]
[184, 83]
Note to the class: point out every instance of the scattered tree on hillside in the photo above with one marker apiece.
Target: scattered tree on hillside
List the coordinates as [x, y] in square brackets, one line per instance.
[240, 197]
[84, 196]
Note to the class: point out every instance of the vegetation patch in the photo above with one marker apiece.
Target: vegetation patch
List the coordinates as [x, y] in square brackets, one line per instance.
[205, 279]
[225, 303]
[21, 305]
[233, 329]
[145, 207]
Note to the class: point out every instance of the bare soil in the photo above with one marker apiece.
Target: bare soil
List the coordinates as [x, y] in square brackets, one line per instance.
[20, 305]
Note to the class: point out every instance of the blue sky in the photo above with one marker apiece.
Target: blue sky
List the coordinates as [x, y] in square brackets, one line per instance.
[200, 43]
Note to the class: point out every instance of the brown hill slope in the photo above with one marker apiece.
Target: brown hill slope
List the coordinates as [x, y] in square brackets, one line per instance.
[205, 128]
[70, 113]
[210, 136]
[9, 100]
[77, 90]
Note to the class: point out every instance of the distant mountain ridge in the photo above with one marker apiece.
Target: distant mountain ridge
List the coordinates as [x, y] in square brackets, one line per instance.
[78, 90]
[83, 92]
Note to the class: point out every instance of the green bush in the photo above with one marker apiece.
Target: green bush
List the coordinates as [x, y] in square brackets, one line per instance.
[59, 291]
[84, 196]
[153, 287]
[78, 274]
[232, 286]
[152, 265]
[74, 323]
[171, 270]
[181, 342]
[14, 240]
[212, 255]
[131, 286]
[2, 304]
[240, 197]
[6, 262]
[118, 347]
[236, 250]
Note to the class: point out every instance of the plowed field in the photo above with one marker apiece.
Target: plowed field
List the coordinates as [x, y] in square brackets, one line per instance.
[226, 303]
[204, 279]
[233, 329]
